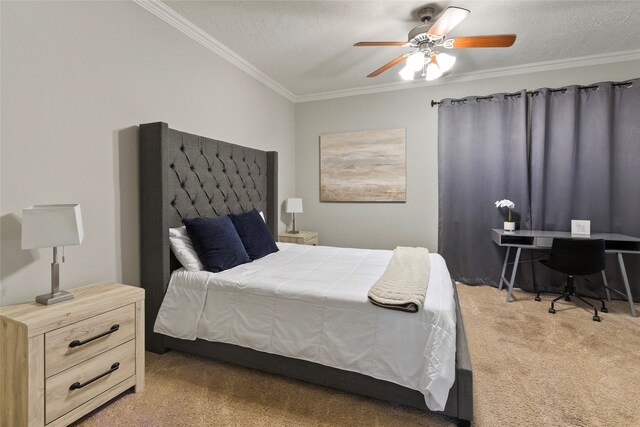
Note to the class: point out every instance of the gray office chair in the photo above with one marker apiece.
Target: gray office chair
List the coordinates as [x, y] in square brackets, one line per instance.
[576, 257]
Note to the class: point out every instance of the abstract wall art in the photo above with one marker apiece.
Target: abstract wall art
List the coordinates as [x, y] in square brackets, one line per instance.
[367, 166]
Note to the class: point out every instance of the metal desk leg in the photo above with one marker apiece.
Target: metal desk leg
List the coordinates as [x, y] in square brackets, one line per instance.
[514, 270]
[623, 270]
[606, 286]
[504, 268]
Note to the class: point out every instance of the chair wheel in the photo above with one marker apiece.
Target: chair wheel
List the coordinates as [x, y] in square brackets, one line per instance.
[604, 310]
[552, 310]
[596, 318]
[567, 298]
[538, 298]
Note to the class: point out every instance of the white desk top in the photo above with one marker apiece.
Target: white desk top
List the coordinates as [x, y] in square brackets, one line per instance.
[565, 235]
[539, 239]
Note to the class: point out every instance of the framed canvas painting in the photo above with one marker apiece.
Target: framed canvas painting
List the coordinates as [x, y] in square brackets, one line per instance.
[367, 166]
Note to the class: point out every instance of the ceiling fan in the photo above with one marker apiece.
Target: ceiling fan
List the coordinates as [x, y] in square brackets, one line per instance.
[425, 39]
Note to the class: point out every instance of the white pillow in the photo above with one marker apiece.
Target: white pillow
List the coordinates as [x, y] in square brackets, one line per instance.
[183, 249]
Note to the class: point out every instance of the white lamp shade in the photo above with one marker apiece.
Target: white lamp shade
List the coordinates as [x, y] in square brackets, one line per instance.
[46, 226]
[407, 73]
[445, 61]
[294, 205]
[415, 61]
[433, 71]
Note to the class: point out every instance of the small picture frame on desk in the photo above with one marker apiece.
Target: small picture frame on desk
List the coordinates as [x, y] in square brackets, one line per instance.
[580, 228]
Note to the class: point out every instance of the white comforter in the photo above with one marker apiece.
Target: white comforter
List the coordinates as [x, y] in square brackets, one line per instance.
[310, 302]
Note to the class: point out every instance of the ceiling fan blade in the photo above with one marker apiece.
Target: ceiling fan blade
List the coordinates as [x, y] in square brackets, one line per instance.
[449, 19]
[500, 40]
[389, 64]
[381, 44]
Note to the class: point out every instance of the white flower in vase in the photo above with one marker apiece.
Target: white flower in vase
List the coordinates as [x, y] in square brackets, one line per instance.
[509, 225]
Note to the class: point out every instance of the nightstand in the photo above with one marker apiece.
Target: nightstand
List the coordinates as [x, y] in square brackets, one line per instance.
[61, 361]
[302, 238]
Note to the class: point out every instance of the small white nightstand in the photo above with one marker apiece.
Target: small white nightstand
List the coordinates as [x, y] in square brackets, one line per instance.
[61, 361]
[302, 238]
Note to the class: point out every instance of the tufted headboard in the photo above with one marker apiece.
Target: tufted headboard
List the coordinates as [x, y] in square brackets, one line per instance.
[185, 176]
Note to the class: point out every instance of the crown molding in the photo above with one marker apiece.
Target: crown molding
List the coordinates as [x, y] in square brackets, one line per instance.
[560, 64]
[187, 27]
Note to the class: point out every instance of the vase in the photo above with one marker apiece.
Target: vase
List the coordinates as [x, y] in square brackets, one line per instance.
[509, 226]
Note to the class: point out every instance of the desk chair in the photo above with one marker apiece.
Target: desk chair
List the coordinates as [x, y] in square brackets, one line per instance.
[576, 257]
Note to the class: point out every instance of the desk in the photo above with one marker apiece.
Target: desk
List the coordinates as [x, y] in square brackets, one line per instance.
[536, 239]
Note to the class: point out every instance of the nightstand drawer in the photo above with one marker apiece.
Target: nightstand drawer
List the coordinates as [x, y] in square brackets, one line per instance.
[75, 343]
[313, 242]
[75, 386]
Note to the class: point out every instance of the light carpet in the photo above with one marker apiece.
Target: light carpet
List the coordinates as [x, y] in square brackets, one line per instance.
[529, 367]
[535, 368]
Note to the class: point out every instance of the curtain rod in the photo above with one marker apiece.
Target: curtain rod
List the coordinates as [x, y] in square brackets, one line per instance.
[529, 92]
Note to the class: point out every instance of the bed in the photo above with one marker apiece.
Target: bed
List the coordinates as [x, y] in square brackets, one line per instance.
[183, 176]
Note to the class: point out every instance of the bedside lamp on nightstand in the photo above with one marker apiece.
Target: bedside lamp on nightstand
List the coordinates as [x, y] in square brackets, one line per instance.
[45, 226]
[294, 206]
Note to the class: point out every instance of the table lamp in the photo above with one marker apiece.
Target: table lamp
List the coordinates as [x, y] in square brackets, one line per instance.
[45, 226]
[294, 206]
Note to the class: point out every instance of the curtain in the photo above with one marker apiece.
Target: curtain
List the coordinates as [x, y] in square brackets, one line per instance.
[482, 157]
[585, 164]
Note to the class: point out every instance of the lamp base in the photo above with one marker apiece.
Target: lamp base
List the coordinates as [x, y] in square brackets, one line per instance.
[48, 299]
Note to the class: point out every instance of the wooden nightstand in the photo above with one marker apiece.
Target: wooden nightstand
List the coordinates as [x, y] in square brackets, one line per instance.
[61, 361]
[302, 238]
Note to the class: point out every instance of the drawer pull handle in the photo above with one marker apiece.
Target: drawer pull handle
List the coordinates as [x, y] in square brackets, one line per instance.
[77, 343]
[77, 385]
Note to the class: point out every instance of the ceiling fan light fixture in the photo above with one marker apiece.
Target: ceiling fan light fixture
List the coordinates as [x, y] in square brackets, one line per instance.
[445, 61]
[407, 73]
[433, 71]
[415, 61]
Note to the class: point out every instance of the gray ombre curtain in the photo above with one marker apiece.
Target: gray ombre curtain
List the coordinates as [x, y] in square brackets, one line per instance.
[585, 164]
[482, 157]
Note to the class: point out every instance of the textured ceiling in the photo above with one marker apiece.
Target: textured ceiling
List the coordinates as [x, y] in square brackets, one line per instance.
[307, 46]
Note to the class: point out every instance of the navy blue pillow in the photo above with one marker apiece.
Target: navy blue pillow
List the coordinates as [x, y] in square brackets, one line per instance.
[216, 242]
[254, 233]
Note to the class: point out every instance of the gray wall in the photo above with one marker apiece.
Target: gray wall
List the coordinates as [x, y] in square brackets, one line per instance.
[415, 223]
[77, 78]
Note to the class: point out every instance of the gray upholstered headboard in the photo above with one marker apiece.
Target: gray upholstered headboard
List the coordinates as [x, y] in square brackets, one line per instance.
[185, 176]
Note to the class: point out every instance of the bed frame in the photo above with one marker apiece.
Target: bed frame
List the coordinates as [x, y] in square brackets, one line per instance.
[183, 176]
